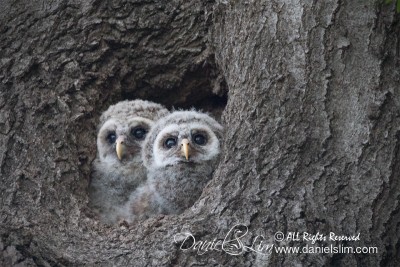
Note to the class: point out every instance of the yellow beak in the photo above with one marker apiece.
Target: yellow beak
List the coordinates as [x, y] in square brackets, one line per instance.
[120, 147]
[185, 148]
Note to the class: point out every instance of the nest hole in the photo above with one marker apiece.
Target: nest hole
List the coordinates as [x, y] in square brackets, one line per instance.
[202, 88]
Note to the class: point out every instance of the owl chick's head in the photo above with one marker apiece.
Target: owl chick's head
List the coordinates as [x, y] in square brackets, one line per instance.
[123, 129]
[183, 137]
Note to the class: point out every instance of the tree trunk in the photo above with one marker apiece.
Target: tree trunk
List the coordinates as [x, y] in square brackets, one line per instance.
[312, 122]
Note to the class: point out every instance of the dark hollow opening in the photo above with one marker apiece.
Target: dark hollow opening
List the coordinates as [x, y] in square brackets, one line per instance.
[201, 88]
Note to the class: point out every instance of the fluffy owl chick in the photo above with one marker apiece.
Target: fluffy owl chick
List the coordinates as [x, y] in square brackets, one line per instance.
[179, 153]
[118, 169]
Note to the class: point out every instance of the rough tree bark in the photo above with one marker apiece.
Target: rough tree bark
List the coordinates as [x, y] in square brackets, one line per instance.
[312, 125]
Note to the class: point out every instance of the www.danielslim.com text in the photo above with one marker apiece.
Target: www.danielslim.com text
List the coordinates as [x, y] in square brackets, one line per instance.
[311, 249]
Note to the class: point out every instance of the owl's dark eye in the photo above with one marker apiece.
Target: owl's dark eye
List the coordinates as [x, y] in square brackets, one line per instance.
[200, 139]
[170, 142]
[139, 133]
[111, 137]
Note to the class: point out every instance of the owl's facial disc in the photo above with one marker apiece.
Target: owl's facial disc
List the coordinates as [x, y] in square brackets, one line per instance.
[191, 144]
[121, 140]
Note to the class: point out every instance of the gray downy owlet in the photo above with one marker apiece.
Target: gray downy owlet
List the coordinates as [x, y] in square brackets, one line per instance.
[118, 169]
[180, 154]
